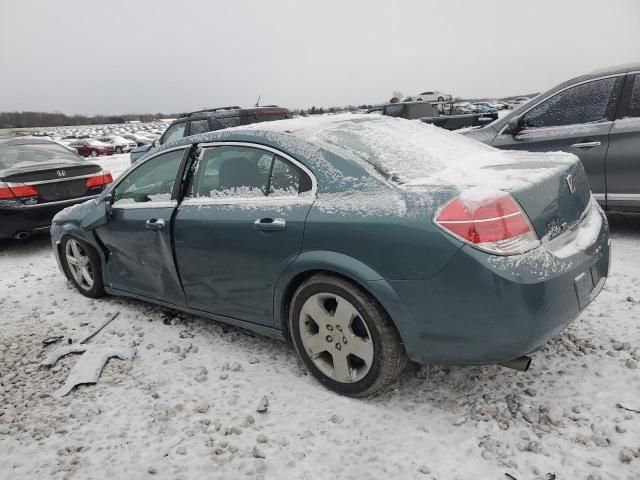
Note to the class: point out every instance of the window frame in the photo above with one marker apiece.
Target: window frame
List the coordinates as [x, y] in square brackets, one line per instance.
[624, 106]
[177, 183]
[309, 194]
[610, 110]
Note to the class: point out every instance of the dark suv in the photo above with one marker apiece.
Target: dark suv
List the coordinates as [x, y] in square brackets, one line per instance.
[212, 119]
[595, 116]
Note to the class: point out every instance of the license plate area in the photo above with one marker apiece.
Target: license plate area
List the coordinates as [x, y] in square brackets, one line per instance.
[588, 284]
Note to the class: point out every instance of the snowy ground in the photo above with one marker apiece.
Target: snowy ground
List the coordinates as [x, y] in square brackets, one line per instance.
[185, 406]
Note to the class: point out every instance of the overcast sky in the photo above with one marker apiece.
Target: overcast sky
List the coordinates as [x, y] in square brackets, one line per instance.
[120, 56]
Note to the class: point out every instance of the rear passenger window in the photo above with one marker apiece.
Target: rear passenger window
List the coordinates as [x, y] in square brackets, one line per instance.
[199, 126]
[584, 103]
[633, 109]
[245, 172]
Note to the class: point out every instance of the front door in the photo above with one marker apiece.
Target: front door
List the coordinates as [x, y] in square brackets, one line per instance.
[576, 120]
[240, 224]
[623, 158]
[138, 233]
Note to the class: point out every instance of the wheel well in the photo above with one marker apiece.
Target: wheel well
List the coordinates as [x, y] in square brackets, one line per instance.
[298, 280]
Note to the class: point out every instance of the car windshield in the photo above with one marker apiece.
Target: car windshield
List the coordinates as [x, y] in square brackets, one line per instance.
[18, 156]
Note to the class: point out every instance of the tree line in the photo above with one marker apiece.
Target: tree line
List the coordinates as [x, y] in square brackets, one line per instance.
[57, 119]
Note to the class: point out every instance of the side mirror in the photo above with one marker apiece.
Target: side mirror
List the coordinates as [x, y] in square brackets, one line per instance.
[515, 125]
[108, 203]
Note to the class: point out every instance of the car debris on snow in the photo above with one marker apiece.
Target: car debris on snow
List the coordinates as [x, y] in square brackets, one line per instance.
[263, 405]
[89, 365]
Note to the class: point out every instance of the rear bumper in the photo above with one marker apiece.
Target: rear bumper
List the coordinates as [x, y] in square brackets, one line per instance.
[32, 218]
[484, 309]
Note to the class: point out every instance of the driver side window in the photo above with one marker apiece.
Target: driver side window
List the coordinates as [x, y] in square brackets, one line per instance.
[150, 182]
[584, 103]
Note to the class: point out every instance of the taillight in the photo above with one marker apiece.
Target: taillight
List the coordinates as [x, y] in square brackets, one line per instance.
[16, 190]
[99, 180]
[492, 222]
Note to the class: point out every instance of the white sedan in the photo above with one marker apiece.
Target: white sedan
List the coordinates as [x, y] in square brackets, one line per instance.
[433, 96]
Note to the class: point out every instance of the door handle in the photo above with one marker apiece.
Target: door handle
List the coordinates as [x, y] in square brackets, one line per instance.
[586, 144]
[270, 224]
[154, 224]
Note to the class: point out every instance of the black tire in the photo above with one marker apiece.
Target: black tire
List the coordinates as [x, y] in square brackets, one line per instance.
[118, 149]
[97, 290]
[389, 357]
[94, 153]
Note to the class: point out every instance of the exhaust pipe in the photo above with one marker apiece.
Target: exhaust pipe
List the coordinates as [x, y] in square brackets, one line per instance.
[22, 235]
[521, 363]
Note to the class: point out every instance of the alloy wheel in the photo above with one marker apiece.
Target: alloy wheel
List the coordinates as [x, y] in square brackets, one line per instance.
[79, 265]
[336, 337]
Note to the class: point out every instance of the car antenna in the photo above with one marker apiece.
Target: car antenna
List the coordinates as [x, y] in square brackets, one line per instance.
[258, 101]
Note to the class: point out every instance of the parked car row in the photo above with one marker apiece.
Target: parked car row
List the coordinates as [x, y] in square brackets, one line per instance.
[104, 140]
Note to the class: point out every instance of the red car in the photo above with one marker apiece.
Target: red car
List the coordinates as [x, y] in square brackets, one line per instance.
[92, 148]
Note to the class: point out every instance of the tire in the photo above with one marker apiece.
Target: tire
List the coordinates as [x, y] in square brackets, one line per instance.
[88, 259]
[118, 149]
[441, 99]
[372, 360]
[94, 153]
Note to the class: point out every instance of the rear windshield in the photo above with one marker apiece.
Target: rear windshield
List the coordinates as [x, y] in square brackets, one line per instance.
[17, 156]
[402, 151]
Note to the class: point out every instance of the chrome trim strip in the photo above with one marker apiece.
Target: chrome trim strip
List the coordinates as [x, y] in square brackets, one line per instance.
[599, 196]
[442, 222]
[560, 91]
[139, 205]
[66, 179]
[304, 168]
[623, 196]
[277, 201]
[61, 202]
[586, 145]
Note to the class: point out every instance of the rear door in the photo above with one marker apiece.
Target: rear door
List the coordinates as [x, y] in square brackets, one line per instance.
[138, 234]
[578, 120]
[623, 158]
[240, 224]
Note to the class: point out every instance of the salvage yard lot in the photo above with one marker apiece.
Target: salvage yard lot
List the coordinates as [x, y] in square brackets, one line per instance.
[185, 406]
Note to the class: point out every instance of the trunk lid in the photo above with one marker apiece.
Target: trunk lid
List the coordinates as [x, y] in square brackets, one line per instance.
[62, 181]
[554, 202]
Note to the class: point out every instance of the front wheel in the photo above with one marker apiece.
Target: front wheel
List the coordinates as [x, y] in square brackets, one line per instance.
[118, 149]
[344, 337]
[83, 266]
[94, 153]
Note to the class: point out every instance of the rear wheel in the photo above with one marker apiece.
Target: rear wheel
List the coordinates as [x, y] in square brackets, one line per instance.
[83, 266]
[94, 153]
[344, 337]
[118, 149]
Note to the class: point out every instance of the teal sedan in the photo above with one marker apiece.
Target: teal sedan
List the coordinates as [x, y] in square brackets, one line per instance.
[364, 240]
